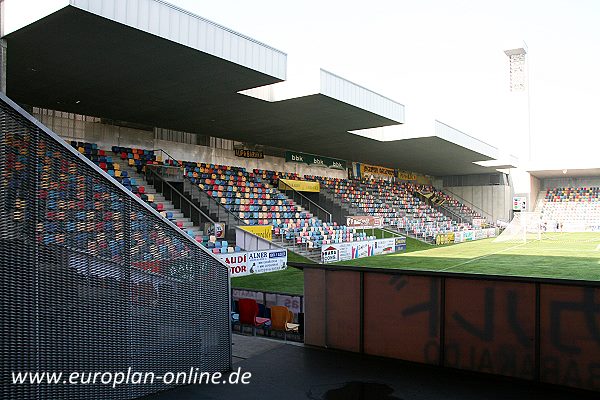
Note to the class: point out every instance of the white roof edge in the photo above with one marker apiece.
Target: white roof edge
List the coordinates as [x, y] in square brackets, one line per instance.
[170, 22]
[463, 139]
[182, 10]
[333, 86]
[341, 89]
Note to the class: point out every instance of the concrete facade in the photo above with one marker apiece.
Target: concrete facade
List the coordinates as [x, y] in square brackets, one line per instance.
[493, 202]
[89, 129]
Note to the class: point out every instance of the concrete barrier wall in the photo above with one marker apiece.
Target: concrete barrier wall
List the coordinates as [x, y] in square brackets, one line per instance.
[535, 329]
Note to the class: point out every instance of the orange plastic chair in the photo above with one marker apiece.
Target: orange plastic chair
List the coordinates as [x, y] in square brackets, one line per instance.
[282, 320]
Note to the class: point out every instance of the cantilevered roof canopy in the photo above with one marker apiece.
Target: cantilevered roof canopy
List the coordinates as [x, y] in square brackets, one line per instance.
[567, 172]
[147, 62]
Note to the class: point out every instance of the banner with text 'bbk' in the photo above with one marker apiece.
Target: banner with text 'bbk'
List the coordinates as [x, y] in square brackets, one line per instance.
[313, 160]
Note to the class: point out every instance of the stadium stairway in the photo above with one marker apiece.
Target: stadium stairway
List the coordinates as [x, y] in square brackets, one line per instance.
[212, 208]
[176, 215]
[219, 213]
[448, 211]
[339, 210]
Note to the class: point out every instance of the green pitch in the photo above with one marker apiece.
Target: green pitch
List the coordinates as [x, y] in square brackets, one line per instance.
[557, 255]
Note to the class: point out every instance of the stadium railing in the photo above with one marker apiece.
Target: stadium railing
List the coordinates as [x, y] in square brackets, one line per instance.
[93, 279]
[305, 202]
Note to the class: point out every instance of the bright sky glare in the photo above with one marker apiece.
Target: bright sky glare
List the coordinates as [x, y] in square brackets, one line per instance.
[445, 59]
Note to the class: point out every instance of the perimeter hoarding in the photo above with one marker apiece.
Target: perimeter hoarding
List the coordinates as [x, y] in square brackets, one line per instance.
[255, 262]
[263, 231]
[352, 250]
[476, 234]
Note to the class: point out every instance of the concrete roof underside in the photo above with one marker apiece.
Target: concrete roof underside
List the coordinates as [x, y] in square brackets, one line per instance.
[80, 62]
[569, 173]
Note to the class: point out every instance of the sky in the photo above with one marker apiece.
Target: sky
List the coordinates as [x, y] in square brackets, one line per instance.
[446, 59]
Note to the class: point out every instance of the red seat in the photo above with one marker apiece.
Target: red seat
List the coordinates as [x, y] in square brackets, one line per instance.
[248, 309]
[160, 207]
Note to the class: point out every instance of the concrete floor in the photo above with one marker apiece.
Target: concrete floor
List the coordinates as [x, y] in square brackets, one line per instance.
[291, 371]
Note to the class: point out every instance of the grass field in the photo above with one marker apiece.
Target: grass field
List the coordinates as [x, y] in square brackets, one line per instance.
[557, 255]
[290, 280]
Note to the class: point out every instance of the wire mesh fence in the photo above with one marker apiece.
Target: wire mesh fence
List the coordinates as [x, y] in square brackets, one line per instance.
[93, 280]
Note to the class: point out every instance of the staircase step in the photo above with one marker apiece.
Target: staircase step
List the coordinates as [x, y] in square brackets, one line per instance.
[186, 224]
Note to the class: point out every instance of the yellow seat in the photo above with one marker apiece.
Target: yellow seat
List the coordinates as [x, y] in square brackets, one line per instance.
[282, 320]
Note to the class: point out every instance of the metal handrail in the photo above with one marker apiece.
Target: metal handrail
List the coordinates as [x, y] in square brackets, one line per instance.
[173, 189]
[468, 203]
[170, 156]
[327, 213]
[219, 205]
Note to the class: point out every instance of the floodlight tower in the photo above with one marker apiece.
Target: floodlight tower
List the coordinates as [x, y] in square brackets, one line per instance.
[519, 82]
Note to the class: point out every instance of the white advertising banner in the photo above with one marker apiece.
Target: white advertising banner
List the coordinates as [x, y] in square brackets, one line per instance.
[384, 246]
[476, 234]
[255, 262]
[349, 251]
[364, 221]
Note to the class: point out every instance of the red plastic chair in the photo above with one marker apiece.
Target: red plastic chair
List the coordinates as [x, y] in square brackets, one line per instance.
[248, 309]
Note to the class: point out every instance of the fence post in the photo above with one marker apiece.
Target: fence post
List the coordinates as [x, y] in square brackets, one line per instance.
[537, 361]
[442, 319]
[361, 336]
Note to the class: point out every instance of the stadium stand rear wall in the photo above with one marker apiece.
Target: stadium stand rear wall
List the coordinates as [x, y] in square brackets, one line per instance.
[585, 181]
[494, 202]
[91, 130]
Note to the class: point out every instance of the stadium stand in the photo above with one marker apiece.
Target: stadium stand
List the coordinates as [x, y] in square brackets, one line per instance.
[571, 209]
[253, 198]
[397, 203]
[127, 165]
[247, 195]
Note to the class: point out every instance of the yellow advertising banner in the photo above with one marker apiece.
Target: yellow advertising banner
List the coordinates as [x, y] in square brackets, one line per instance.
[444, 238]
[366, 169]
[264, 231]
[407, 176]
[300, 186]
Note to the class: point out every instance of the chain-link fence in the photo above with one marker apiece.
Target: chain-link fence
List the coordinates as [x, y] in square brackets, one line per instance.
[92, 279]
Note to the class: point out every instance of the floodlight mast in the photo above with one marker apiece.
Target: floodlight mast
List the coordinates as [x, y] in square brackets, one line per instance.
[519, 81]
